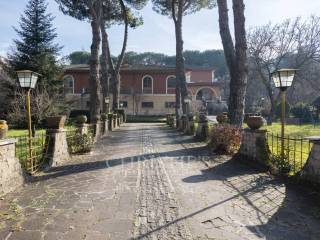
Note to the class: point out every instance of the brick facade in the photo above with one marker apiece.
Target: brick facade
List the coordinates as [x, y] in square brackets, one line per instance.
[153, 97]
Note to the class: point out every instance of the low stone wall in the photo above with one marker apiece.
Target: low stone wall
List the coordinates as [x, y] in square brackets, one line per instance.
[11, 173]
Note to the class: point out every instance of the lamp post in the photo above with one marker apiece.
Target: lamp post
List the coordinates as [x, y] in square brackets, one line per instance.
[28, 81]
[283, 79]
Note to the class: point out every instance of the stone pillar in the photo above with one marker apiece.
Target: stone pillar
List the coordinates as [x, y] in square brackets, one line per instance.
[180, 124]
[56, 140]
[189, 124]
[168, 119]
[311, 170]
[254, 147]
[82, 128]
[118, 121]
[97, 130]
[110, 122]
[202, 130]
[105, 124]
[184, 122]
[115, 122]
[11, 173]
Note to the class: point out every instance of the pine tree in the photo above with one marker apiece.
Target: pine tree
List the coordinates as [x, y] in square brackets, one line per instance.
[35, 49]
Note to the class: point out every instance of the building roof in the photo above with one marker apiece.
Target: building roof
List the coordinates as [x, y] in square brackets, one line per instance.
[154, 68]
[85, 67]
[200, 68]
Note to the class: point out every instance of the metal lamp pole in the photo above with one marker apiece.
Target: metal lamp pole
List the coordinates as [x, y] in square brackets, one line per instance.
[283, 79]
[29, 125]
[283, 120]
[28, 80]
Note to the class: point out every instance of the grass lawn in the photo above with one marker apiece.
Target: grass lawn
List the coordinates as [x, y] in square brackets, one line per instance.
[24, 132]
[21, 132]
[295, 130]
[296, 148]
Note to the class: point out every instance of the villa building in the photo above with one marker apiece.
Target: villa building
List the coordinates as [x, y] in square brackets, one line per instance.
[145, 90]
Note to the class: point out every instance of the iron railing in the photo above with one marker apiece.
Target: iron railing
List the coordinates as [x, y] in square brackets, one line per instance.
[31, 159]
[71, 136]
[296, 150]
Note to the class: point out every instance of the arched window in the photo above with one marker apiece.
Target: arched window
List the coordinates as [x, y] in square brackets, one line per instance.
[205, 94]
[171, 84]
[147, 84]
[68, 84]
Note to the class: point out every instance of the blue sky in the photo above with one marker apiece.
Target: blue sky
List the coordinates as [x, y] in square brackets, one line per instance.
[157, 34]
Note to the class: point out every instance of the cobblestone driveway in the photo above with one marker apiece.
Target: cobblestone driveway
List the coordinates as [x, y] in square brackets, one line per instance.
[148, 182]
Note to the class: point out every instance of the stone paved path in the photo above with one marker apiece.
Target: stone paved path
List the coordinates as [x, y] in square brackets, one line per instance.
[146, 181]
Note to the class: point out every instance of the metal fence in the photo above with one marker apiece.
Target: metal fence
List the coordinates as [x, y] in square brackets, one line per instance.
[296, 150]
[31, 159]
[71, 135]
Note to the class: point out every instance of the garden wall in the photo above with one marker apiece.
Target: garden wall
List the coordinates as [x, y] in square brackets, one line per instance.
[11, 173]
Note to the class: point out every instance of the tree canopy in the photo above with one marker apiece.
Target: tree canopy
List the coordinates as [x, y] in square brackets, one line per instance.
[164, 7]
[208, 58]
[35, 48]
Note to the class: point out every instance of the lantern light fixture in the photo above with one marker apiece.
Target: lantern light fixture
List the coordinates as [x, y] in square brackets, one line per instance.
[28, 79]
[283, 78]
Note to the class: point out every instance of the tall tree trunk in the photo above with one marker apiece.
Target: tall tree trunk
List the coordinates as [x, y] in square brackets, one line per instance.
[180, 66]
[104, 65]
[116, 86]
[95, 87]
[181, 85]
[236, 57]
[272, 106]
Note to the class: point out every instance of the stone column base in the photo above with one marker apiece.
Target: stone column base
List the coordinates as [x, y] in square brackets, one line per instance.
[56, 140]
[254, 148]
[188, 129]
[105, 126]
[97, 131]
[202, 131]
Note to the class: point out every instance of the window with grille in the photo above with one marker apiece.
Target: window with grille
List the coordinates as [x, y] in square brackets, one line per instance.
[147, 84]
[68, 84]
[147, 104]
[170, 104]
[171, 82]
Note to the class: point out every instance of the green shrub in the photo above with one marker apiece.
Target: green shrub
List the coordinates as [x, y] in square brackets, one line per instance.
[282, 165]
[225, 139]
[80, 143]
